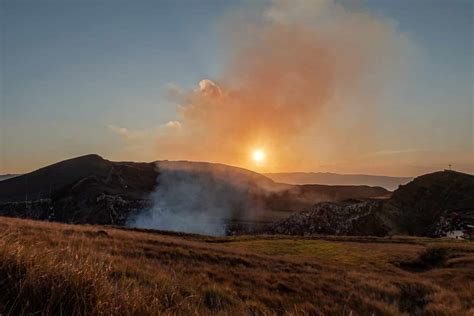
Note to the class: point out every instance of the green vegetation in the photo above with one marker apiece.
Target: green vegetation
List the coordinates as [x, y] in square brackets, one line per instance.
[51, 268]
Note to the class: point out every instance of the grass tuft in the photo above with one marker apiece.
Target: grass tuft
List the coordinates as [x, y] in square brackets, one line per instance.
[217, 299]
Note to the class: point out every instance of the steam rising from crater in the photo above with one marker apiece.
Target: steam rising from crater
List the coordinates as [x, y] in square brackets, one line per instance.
[298, 79]
[199, 197]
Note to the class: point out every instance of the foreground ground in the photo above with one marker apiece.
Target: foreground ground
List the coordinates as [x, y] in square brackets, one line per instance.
[53, 268]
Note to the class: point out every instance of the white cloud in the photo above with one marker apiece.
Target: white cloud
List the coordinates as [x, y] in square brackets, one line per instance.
[147, 135]
[121, 131]
[172, 125]
[209, 87]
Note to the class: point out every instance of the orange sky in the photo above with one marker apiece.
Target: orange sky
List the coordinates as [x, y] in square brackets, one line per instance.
[316, 85]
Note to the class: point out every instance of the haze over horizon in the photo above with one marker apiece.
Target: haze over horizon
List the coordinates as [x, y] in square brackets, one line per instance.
[366, 87]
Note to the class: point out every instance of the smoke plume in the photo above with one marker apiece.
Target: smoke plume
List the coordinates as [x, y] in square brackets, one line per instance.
[301, 71]
[301, 80]
[203, 198]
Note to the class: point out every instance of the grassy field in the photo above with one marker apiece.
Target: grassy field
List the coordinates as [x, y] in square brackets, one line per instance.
[50, 268]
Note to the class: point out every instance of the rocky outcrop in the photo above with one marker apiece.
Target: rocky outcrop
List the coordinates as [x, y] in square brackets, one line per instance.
[356, 219]
[430, 205]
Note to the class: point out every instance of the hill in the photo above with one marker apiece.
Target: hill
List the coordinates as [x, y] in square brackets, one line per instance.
[52, 268]
[389, 183]
[7, 176]
[186, 196]
[87, 189]
[73, 173]
[430, 205]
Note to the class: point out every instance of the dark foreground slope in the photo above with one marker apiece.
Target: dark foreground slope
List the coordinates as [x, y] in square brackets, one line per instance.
[90, 189]
[48, 268]
[430, 205]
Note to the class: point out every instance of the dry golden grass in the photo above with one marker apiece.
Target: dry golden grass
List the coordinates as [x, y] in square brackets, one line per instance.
[50, 268]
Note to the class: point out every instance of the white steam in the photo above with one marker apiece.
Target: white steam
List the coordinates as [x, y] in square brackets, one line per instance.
[200, 198]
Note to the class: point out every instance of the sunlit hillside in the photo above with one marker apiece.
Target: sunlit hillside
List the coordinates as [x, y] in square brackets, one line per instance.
[49, 268]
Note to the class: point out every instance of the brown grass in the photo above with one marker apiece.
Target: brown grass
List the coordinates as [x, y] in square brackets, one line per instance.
[51, 268]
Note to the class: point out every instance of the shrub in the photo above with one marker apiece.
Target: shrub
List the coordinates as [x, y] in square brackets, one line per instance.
[434, 257]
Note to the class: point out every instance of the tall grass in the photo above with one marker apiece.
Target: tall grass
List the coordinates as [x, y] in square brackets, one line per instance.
[56, 269]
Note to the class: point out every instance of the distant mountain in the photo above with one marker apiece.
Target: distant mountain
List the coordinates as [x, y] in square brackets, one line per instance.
[90, 189]
[430, 205]
[7, 176]
[390, 183]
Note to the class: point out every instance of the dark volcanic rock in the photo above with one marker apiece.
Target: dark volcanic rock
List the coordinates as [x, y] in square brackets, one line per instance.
[334, 219]
[430, 205]
[87, 189]
[430, 202]
[90, 189]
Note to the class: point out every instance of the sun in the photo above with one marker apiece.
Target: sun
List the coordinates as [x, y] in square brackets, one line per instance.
[258, 156]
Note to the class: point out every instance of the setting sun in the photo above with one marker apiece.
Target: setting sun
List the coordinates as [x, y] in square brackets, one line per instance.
[258, 156]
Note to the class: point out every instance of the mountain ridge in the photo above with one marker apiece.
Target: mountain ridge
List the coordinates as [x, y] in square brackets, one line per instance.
[90, 189]
[329, 178]
[430, 205]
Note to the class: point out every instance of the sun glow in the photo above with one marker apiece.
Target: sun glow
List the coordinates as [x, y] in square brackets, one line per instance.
[258, 156]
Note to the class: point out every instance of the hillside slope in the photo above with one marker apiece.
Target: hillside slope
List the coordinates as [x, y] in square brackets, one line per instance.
[430, 205]
[342, 219]
[72, 173]
[86, 189]
[90, 189]
[51, 269]
[7, 176]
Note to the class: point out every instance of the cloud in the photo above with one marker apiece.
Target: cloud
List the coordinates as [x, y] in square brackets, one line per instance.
[121, 131]
[209, 88]
[172, 125]
[173, 91]
[146, 136]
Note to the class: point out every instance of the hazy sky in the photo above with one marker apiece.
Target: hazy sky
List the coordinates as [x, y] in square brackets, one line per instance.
[99, 76]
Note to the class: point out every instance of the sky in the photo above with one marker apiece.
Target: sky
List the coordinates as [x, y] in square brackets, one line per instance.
[122, 79]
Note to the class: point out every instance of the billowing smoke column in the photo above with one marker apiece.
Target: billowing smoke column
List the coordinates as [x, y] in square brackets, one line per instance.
[301, 70]
[202, 198]
[183, 202]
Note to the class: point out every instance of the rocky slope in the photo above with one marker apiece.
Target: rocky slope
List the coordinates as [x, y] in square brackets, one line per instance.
[430, 205]
[347, 219]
